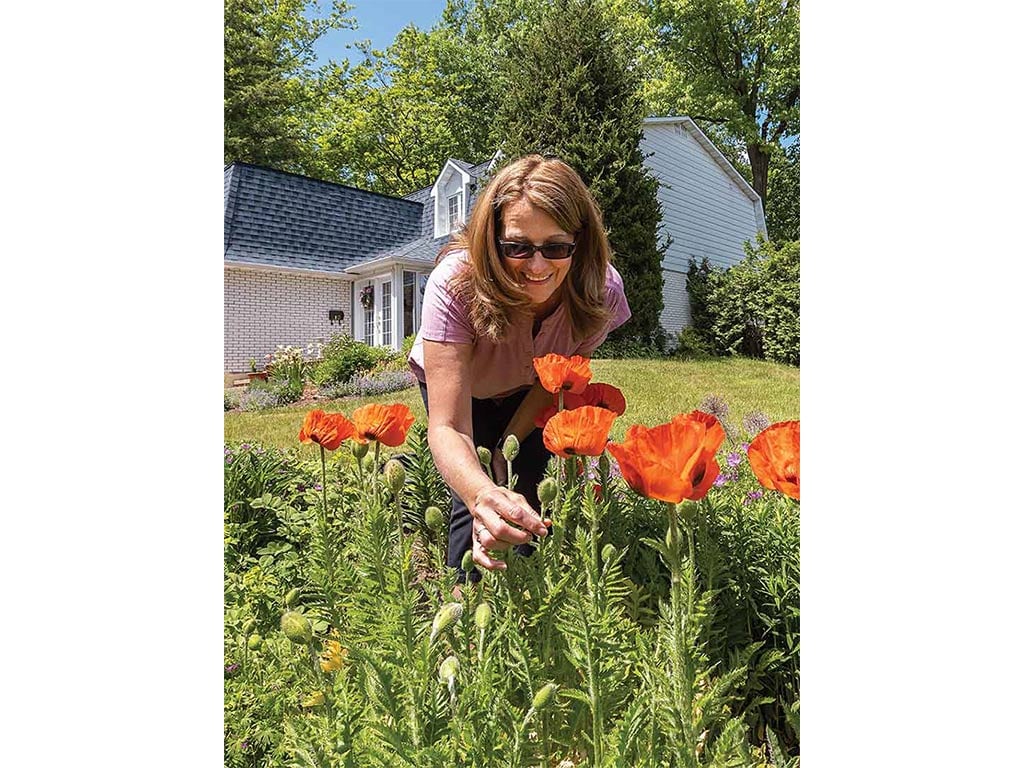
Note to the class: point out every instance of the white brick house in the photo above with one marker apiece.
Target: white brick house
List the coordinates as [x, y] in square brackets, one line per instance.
[300, 253]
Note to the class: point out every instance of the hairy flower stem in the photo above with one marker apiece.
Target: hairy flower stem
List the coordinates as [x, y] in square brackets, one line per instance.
[680, 661]
[328, 546]
[376, 472]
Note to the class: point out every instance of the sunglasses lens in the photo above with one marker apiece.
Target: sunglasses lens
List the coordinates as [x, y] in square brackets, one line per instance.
[553, 251]
[556, 251]
[517, 250]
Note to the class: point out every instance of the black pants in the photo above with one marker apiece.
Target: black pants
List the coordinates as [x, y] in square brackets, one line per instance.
[490, 417]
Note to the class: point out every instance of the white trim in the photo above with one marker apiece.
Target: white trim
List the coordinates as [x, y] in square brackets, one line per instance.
[249, 266]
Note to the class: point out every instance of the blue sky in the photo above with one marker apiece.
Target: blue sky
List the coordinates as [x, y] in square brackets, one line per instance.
[379, 21]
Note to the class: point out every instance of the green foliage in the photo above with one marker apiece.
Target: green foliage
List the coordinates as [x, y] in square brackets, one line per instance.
[783, 215]
[698, 669]
[755, 305]
[570, 70]
[735, 64]
[424, 486]
[692, 345]
[698, 286]
[631, 348]
[343, 357]
[268, 57]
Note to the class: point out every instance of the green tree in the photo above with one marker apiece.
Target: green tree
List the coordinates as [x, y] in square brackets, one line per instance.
[735, 63]
[571, 90]
[783, 215]
[268, 68]
[390, 122]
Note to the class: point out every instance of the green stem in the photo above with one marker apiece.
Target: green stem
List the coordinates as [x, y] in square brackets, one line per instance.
[328, 547]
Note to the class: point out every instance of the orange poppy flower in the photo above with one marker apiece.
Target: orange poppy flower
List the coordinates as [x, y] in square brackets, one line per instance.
[582, 431]
[605, 396]
[563, 374]
[673, 461]
[775, 458]
[601, 395]
[326, 429]
[387, 424]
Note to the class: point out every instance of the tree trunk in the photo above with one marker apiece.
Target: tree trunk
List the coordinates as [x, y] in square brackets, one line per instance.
[759, 172]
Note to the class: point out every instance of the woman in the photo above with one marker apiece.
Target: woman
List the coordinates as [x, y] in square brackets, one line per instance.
[529, 275]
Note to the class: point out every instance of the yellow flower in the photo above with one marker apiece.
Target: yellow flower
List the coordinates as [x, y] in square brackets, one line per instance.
[332, 657]
[315, 699]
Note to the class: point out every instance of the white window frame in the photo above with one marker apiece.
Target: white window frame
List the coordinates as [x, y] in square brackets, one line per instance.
[386, 314]
[454, 216]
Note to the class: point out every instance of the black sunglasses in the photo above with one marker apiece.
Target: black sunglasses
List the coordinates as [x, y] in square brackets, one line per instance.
[550, 251]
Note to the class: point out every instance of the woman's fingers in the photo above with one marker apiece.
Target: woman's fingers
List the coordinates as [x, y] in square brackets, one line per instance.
[481, 556]
[499, 507]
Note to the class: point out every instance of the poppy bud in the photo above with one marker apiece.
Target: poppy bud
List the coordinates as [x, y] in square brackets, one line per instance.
[604, 465]
[670, 540]
[255, 642]
[448, 614]
[484, 454]
[687, 511]
[547, 490]
[608, 552]
[433, 518]
[544, 697]
[292, 597]
[483, 615]
[467, 561]
[449, 669]
[248, 627]
[359, 449]
[510, 448]
[394, 474]
[297, 628]
[315, 699]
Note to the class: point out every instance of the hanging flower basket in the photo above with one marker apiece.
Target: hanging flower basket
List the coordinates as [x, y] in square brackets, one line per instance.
[366, 297]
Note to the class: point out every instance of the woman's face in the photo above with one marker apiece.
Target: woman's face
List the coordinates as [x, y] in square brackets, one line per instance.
[542, 278]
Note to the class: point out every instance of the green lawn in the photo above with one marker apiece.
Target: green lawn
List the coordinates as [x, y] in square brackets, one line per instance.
[655, 391]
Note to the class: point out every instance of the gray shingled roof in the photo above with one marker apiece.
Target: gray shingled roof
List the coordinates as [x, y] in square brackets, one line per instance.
[477, 171]
[423, 249]
[281, 219]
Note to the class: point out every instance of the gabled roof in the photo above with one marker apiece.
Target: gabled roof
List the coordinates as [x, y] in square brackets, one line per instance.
[279, 219]
[687, 124]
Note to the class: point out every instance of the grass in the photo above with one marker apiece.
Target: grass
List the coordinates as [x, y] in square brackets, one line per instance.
[655, 391]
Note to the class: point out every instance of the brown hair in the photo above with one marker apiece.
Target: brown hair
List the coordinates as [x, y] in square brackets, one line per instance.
[491, 294]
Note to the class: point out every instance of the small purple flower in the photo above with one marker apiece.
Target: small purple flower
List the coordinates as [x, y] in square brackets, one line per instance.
[744, 447]
[227, 460]
[753, 496]
[230, 669]
[733, 459]
[721, 480]
[245, 446]
[245, 744]
[318, 487]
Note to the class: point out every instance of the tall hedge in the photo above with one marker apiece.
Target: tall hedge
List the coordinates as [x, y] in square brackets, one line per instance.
[571, 91]
[752, 308]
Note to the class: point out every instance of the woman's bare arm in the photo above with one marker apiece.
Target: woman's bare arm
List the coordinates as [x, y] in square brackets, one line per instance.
[505, 515]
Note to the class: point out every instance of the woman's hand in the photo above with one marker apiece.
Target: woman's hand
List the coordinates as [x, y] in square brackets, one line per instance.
[501, 519]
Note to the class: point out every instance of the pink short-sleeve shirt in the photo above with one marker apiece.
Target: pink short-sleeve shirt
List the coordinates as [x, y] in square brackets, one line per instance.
[500, 369]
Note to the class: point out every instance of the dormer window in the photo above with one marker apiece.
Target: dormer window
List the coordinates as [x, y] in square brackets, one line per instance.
[449, 198]
[454, 212]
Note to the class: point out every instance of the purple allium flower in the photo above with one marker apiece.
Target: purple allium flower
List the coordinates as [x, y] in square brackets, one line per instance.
[716, 406]
[733, 459]
[755, 422]
[753, 496]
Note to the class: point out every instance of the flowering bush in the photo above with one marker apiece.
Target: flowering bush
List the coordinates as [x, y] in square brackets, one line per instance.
[641, 632]
[370, 384]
